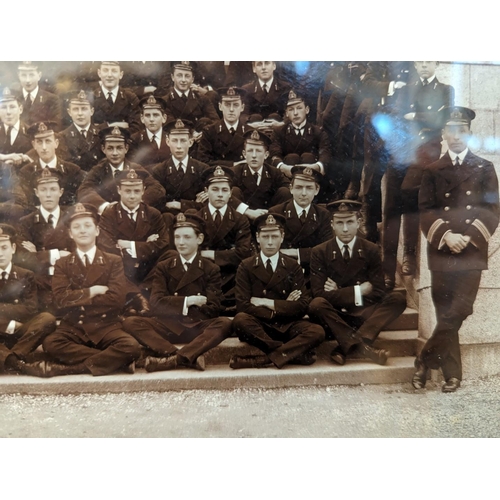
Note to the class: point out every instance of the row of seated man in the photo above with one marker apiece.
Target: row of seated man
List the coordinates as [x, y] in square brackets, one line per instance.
[101, 331]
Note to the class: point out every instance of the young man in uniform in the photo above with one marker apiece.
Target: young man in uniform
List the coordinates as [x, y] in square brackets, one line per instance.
[271, 299]
[149, 145]
[22, 329]
[222, 142]
[80, 141]
[99, 187]
[347, 284]
[43, 235]
[258, 185]
[185, 299]
[459, 212]
[89, 288]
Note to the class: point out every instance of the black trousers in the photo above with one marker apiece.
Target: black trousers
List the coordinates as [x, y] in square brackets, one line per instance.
[348, 329]
[70, 346]
[154, 334]
[26, 338]
[453, 295]
[280, 347]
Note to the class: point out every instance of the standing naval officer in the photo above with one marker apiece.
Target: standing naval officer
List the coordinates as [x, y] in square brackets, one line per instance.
[459, 212]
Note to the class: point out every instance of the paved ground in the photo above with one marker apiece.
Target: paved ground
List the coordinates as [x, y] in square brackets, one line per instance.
[342, 411]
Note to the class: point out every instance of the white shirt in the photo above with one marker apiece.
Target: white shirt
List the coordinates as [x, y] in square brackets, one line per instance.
[132, 250]
[243, 207]
[54, 253]
[222, 210]
[13, 131]
[32, 94]
[429, 80]
[90, 254]
[85, 128]
[183, 161]
[358, 297]
[179, 93]
[185, 309]
[52, 163]
[114, 92]
[229, 126]
[301, 126]
[157, 136]
[11, 327]
[268, 84]
[274, 260]
[461, 156]
[300, 209]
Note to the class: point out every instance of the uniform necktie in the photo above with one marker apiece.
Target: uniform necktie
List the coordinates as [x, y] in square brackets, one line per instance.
[131, 215]
[27, 103]
[8, 139]
[153, 142]
[345, 254]
[50, 220]
[184, 97]
[115, 173]
[84, 134]
[457, 162]
[86, 260]
[4, 276]
[231, 130]
[425, 82]
[298, 131]
[303, 216]
[186, 266]
[264, 88]
[110, 98]
[180, 170]
[256, 177]
[269, 267]
[218, 219]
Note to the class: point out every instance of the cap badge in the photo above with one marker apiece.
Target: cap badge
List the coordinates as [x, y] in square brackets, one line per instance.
[132, 174]
[42, 127]
[179, 124]
[46, 172]
[6, 91]
[116, 131]
[292, 95]
[80, 208]
[231, 91]
[343, 208]
[255, 135]
[82, 95]
[151, 100]
[308, 171]
[270, 221]
[181, 218]
[186, 63]
[456, 115]
[218, 172]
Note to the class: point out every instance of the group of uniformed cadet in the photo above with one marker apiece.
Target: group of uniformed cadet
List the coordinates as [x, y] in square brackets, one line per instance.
[142, 205]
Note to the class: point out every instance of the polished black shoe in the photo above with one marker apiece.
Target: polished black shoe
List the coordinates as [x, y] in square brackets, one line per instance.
[153, 364]
[420, 376]
[199, 363]
[261, 361]
[409, 264]
[378, 356]
[306, 359]
[451, 385]
[130, 368]
[47, 369]
[337, 357]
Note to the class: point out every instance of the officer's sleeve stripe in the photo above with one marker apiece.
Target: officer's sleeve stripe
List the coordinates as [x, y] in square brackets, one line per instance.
[433, 229]
[482, 229]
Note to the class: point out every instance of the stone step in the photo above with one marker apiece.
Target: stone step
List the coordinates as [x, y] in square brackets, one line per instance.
[407, 321]
[217, 377]
[398, 343]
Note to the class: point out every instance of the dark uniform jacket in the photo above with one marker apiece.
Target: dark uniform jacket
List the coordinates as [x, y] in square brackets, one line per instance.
[124, 109]
[99, 186]
[258, 196]
[314, 141]
[252, 280]
[193, 109]
[219, 147]
[259, 102]
[115, 224]
[364, 265]
[93, 317]
[172, 284]
[182, 189]
[142, 151]
[22, 143]
[462, 199]
[84, 152]
[46, 107]
[72, 178]
[317, 228]
[18, 297]
[231, 241]
[35, 229]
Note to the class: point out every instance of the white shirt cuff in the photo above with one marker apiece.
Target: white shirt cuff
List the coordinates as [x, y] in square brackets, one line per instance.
[358, 298]
[132, 250]
[391, 89]
[242, 208]
[185, 308]
[442, 243]
[11, 328]
[54, 255]
[321, 167]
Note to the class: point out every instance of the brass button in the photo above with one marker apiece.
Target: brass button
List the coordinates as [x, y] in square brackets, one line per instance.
[447, 195]
[16, 301]
[176, 294]
[446, 209]
[80, 322]
[467, 221]
[468, 193]
[103, 316]
[468, 207]
[344, 310]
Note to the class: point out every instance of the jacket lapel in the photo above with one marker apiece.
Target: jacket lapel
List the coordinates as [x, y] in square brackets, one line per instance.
[96, 269]
[280, 274]
[195, 271]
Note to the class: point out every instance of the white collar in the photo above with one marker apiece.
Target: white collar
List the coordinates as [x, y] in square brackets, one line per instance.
[221, 210]
[350, 244]
[229, 126]
[461, 155]
[274, 259]
[80, 128]
[299, 209]
[184, 162]
[51, 164]
[179, 93]
[15, 127]
[258, 171]
[128, 209]
[7, 270]
[45, 213]
[113, 91]
[301, 126]
[190, 261]
[157, 134]
[33, 93]
[268, 83]
[90, 254]
[119, 167]
[429, 80]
